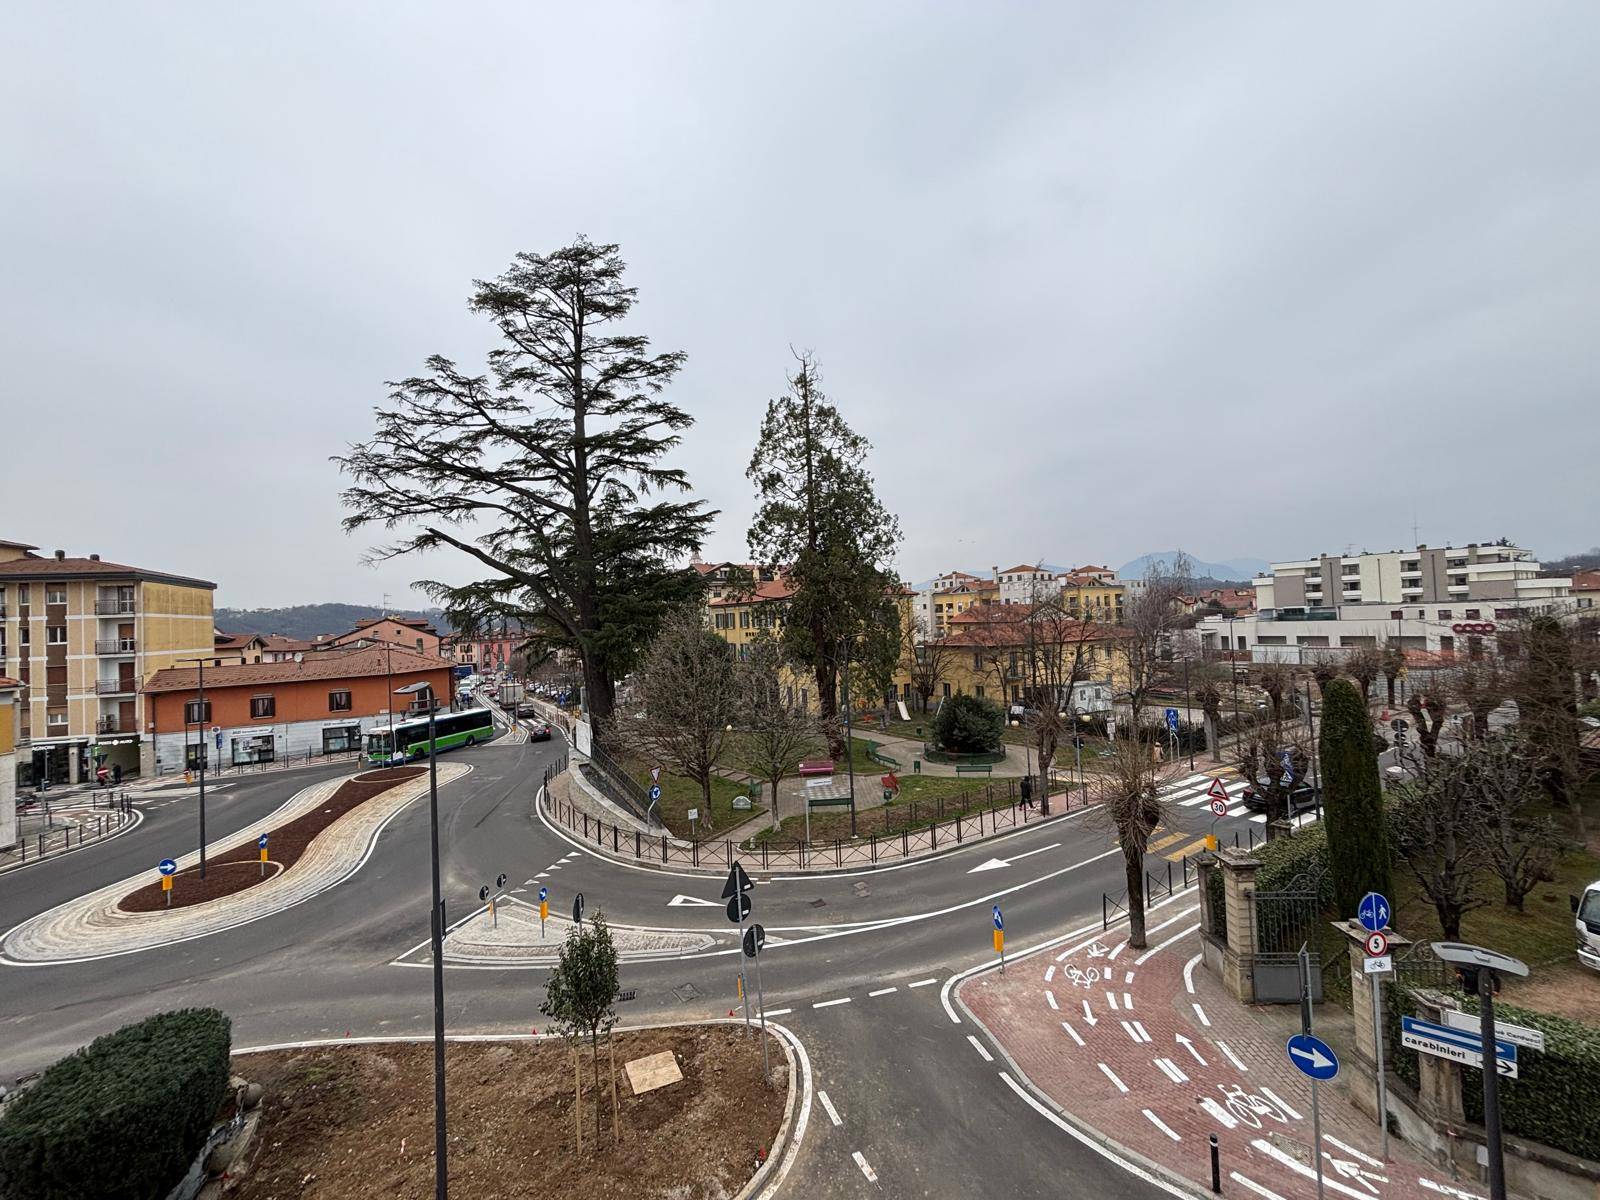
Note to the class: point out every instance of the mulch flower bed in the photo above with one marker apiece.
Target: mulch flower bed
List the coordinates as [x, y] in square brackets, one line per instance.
[225, 874]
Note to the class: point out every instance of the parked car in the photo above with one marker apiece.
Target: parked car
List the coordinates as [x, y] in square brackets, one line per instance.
[1303, 798]
[539, 731]
[527, 709]
[1586, 917]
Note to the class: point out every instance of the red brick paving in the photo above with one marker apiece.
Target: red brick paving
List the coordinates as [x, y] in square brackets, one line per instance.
[1265, 1099]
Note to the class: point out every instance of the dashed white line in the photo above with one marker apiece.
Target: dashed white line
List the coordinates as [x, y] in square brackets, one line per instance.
[978, 1046]
[1111, 999]
[1188, 974]
[1232, 1057]
[872, 1176]
[1050, 999]
[1050, 973]
[883, 991]
[779, 1012]
[1162, 1125]
[1171, 1070]
[1447, 1190]
[1072, 1033]
[1201, 1013]
[1128, 978]
[922, 983]
[1112, 1075]
[1283, 1104]
[1127, 999]
[1143, 1036]
[1264, 1193]
[831, 1003]
[827, 1106]
[1119, 948]
[1128, 1028]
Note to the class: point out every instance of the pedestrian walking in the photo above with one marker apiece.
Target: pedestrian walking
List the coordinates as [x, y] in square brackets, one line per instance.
[1027, 792]
[102, 775]
[116, 774]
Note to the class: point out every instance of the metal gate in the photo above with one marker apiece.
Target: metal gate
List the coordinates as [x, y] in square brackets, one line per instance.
[1284, 921]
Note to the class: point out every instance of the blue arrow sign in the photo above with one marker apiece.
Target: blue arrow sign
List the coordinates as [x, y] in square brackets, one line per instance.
[1287, 759]
[655, 791]
[999, 921]
[262, 841]
[1172, 719]
[166, 866]
[1312, 1056]
[1374, 912]
[1461, 1039]
[544, 894]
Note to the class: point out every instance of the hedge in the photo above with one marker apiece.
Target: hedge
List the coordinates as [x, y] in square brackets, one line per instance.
[124, 1117]
[1282, 860]
[1555, 1100]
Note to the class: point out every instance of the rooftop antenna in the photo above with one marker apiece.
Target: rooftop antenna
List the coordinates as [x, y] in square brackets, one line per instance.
[1416, 537]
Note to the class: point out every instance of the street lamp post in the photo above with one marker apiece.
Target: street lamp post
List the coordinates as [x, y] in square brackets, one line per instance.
[849, 739]
[200, 687]
[1188, 714]
[441, 1174]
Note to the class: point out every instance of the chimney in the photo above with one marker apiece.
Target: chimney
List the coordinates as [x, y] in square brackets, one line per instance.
[94, 558]
[60, 555]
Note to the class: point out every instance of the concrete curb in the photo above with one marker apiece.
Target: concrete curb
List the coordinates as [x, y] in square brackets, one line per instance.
[127, 827]
[791, 1130]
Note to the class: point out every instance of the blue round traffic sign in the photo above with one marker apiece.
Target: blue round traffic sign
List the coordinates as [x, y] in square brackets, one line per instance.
[1374, 912]
[262, 841]
[544, 894]
[1312, 1056]
[166, 866]
[655, 791]
[999, 921]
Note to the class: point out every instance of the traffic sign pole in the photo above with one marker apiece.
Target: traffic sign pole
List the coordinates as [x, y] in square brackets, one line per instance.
[1377, 1041]
[1316, 1107]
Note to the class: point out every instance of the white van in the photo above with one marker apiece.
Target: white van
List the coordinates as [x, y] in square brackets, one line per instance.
[1586, 914]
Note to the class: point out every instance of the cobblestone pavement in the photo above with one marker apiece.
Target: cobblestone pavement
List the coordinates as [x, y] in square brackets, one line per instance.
[513, 938]
[1149, 1051]
[92, 926]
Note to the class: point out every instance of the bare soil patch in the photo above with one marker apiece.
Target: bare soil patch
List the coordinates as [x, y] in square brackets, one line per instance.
[286, 844]
[346, 1122]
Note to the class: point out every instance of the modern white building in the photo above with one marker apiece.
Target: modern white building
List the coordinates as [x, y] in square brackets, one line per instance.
[1442, 600]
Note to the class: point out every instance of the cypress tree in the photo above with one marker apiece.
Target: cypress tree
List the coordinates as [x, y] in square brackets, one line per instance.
[1352, 799]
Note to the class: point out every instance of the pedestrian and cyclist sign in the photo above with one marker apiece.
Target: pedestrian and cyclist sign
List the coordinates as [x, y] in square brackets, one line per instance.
[1374, 912]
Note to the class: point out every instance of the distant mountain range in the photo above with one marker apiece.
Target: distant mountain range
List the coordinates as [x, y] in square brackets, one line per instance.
[1233, 570]
[306, 621]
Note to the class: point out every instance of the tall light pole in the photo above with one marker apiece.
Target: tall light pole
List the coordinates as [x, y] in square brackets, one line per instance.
[441, 1173]
[849, 739]
[200, 676]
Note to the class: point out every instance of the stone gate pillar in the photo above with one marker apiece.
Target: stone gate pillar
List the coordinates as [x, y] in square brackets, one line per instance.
[1239, 869]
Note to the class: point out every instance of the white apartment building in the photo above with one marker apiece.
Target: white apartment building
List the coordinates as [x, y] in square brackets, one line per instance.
[1441, 600]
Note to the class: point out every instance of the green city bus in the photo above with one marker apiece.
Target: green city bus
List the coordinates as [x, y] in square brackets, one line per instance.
[410, 738]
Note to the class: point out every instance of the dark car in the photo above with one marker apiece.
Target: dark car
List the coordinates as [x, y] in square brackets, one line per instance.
[539, 731]
[527, 709]
[1303, 798]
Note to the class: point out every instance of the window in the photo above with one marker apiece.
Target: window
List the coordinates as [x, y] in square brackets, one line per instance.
[1472, 614]
[55, 635]
[55, 593]
[196, 712]
[339, 701]
[419, 643]
[195, 754]
[1444, 614]
[744, 618]
[978, 691]
[977, 660]
[341, 739]
[55, 718]
[945, 690]
[1395, 614]
[23, 630]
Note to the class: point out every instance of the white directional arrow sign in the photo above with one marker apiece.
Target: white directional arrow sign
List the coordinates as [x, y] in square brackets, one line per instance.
[1189, 1046]
[994, 864]
[1313, 1056]
[683, 901]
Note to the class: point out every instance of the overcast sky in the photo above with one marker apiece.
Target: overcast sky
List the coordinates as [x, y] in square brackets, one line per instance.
[1095, 279]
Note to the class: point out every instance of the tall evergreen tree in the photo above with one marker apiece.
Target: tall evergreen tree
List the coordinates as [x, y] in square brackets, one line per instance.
[821, 521]
[546, 470]
[1352, 800]
[1547, 703]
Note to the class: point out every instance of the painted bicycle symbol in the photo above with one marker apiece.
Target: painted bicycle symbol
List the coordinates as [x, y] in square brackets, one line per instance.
[1096, 950]
[1082, 978]
[1353, 1170]
[1248, 1107]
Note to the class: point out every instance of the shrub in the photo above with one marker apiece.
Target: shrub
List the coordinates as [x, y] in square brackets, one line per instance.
[1282, 862]
[1352, 798]
[969, 725]
[123, 1118]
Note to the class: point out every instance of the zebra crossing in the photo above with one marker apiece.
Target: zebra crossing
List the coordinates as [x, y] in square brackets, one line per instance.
[1194, 792]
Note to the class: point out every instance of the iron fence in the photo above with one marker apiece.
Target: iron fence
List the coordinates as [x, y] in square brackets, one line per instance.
[49, 843]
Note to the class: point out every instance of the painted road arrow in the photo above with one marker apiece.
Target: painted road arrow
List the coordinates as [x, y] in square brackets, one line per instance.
[994, 864]
[1189, 1046]
[685, 901]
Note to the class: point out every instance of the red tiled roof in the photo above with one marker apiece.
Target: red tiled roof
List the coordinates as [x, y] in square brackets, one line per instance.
[773, 589]
[1024, 569]
[354, 665]
[35, 567]
[8, 682]
[1586, 581]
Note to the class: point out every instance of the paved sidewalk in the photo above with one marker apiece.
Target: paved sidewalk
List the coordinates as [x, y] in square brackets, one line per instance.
[1147, 1049]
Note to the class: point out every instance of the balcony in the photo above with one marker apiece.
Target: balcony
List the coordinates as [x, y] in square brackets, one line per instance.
[115, 687]
[113, 608]
[116, 646]
[114, 725]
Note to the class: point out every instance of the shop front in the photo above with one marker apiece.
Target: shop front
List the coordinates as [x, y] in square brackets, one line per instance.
[251, 748]
[341, 736]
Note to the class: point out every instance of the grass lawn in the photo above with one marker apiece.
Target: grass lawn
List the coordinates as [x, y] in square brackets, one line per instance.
[679, 795]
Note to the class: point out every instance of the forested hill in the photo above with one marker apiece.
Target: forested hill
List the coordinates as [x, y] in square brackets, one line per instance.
[306, 621]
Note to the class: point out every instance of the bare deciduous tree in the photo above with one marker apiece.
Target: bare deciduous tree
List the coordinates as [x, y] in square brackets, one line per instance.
[927, 660]
[1149, 622]
[1483, 686]
[685, 690]
[1429, 705]
[1132, 802]
[1276, 679]
[775, 732]
[1258, 754]
[1521, 844]
[1438, 834]
[1055, 648]
[1364, 664]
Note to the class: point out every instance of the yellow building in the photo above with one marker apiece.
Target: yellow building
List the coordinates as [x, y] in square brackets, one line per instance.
[9, 721]
[958, 597]
[80, 635]
[1093, 594]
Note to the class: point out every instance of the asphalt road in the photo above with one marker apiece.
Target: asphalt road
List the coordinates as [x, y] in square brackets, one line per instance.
[916, 1099]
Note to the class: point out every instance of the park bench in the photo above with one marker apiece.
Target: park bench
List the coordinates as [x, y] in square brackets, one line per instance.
[815, 767]
[974, 769]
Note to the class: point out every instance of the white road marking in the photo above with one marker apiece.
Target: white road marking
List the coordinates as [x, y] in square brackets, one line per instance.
[1232, 1057]
[1109, 1155]
[1283, 1104]
[1162, 1125]
[1171, 1070]
[1447, 1190]
[872, 1176]
[978, 1046]
[831, 1003]
[1050, 973]
[564, 857]
[1088, 1015]
[1349, 1149]
[1188, 974]
[922, 983]
[1050, 999]
[1304, 1169]
[1143, 1035]
[1112, 1075]
[994, 864]
[1154, 950]
[883, 991]
[1264, 1193]
[1201, 1013]
[1111, 999]
[1131, 1032]
[1118, 949]
[827, 1107]
[779, 1012]
[1128, 978]
[1220, 1113]
[1127, 1000]
[1071, 1032]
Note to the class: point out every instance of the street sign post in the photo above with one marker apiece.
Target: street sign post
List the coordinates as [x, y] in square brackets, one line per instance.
[738, 909]
[1219, 808]
[1381, 964]
[261, 845]
[1373, 912]
[167, 867]
[753, 940]
[1000, 937]
[1457, 1045]
[1312, 1057]
[734, 890]
[544, 909]
[1172, 719]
